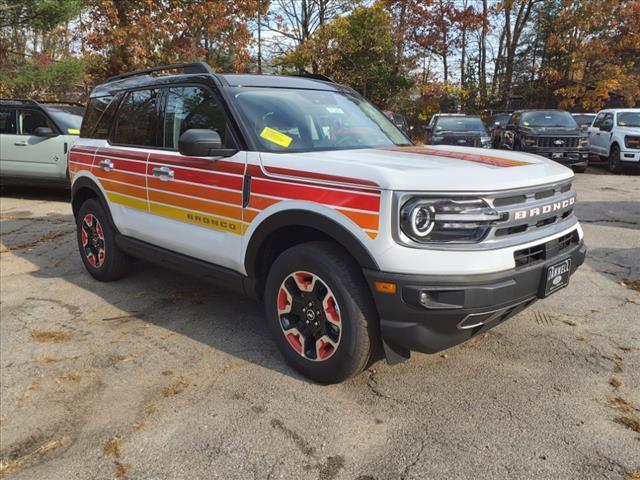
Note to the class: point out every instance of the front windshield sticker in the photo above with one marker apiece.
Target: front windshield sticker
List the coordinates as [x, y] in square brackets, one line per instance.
[73, 131]
[276, 137]
[470, 157]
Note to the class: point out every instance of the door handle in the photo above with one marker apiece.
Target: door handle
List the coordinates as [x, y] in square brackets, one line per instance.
[106, 165]
[163, 173]
[20, 144]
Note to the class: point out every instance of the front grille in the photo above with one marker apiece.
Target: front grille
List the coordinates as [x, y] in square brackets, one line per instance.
[463, 141]
[554, 142]
[545, 251]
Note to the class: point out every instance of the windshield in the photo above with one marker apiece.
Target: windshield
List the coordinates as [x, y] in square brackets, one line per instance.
[629, 119]
[584, 119]
[293, 120]
[460, 124]
[68, 117]
[501, 119]
[548, 119]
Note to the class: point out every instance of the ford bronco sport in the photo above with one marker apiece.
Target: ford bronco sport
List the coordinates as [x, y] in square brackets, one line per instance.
[298, 192]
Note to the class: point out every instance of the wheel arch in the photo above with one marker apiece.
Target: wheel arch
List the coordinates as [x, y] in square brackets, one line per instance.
[287, 228]
[83, 189]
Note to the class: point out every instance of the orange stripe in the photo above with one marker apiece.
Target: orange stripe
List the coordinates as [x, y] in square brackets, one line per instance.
[261, 203]
[372, 234]
[124, 189]
[194, 204]
[197, 191]
[363, 220]
[249, 215]
[122, 177]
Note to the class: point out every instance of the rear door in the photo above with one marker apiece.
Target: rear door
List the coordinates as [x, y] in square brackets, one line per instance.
[596, 135]
[195, 202]
[26, 155]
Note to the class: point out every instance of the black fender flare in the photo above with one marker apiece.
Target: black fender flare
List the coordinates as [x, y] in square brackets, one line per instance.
[86, 182]
[316, 221]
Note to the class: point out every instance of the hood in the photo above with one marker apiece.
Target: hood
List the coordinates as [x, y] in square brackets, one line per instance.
[560, 131]
[428, 169]
[635, 131]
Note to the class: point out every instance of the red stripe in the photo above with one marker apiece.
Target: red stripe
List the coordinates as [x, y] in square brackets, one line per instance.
[117, 152]
[222, 166]
[204, 178]
[83, 149]
[319, 176]
[73, 157]
[470, 157]
[319, 195]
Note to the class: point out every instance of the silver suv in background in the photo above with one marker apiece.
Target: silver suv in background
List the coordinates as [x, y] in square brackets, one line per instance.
[35, 139]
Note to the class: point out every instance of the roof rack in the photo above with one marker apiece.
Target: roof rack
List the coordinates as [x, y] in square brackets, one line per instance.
[314, 76]
[196, 67]
[27, 101]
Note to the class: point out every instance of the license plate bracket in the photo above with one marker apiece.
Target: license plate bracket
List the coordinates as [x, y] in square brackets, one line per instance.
[555, 277]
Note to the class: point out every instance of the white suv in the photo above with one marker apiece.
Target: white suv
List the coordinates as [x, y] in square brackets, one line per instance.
[300, 193]
[615, 136]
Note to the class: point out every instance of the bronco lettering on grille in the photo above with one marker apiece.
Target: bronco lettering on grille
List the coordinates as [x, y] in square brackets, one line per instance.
[544, 209]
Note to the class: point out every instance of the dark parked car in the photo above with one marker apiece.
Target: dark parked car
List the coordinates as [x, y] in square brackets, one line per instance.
[551, 133]
[457, 129]
[584, 120]
[496, 127]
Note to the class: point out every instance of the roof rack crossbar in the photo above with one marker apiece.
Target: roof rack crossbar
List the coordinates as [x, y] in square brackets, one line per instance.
[19, 100]
[30, 101]
[196, 67]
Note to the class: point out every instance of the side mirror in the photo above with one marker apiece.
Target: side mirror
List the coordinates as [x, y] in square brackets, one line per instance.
[200, 142]
[44, 132]
[426, 128]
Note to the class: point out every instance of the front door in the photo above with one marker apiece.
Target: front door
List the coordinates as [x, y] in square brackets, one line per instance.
[26, 155]
[195, 203]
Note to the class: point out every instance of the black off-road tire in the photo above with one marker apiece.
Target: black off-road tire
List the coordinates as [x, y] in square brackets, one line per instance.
[358, 316]
[114, 264]
[614, 159]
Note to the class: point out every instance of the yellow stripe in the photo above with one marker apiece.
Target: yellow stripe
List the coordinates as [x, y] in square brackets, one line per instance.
[200, 219]
[127, 201]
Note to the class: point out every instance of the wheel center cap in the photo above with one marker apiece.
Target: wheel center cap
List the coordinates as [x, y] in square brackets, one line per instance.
[311, 315]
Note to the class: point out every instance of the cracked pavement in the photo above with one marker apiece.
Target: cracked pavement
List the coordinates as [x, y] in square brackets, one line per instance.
[159, 376]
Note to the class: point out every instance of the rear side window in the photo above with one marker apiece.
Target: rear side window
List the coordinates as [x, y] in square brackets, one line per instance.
[192, 107]
[136, 119]
[99, 116]
[29, 120]
[8, 121]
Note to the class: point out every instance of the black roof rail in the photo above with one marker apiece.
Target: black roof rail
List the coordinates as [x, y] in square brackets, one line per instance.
[314, 76]
[28, 101]
[196, 67]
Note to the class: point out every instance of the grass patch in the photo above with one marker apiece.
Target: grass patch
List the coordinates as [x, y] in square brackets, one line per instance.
[44, 336]
[122, 469]
[631, 284]
[9, 465]
[629, 421]
[70, 377]
[632, 474]
[113, 447]
[615, 383]
[175, 388]
[621, 404]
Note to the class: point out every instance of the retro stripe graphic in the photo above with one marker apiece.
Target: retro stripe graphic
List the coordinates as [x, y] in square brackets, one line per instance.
[470, 157]
[209, 194]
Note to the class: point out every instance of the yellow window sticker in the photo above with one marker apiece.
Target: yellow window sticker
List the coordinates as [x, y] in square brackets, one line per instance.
[73, 131]
[276, 137]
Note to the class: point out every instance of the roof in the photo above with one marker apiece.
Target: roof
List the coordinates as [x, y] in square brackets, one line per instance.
[34, 103]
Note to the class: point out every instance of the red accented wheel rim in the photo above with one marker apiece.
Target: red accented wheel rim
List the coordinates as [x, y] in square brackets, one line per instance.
[309, 316]
[93, 240]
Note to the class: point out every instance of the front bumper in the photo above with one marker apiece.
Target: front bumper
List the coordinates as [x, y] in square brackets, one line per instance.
[630, 157]
[565, 157]
[459, 307]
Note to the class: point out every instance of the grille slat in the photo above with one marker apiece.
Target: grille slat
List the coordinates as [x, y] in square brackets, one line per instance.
[550, 142]
[545, 251]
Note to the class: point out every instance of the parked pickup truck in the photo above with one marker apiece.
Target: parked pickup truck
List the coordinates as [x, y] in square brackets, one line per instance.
[551, 133]
[299, 193]
[615, 137]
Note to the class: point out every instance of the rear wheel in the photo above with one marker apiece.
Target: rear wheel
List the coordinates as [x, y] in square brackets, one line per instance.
[96, 241]
[320, 312]
[614, 159]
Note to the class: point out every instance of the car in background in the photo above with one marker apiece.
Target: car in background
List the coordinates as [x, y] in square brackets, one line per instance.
[615, 137]
[551, 133]
[457, 129]
[35, 139]
[496, 127]
[584, 120]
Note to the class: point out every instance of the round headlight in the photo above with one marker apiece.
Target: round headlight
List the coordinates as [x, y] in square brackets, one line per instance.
[422, 220]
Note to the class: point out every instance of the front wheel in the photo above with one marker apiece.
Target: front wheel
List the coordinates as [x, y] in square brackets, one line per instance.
[579, 168]
[320, 312]
[614, 159]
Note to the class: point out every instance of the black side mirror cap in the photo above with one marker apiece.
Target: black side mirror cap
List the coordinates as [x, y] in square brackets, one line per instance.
[202, 142]
[44, 132]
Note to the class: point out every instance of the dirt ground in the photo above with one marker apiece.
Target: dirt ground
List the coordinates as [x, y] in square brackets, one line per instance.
[159, 376]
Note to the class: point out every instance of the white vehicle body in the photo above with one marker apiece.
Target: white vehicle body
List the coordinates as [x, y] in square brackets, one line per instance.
[607, 132]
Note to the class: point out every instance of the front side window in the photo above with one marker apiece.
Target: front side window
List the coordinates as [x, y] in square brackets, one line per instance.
[8, 121]
[68, 117]
[629, 119]
[192, 107]
[136, 119]
[29, 120]
[289, 120]
[548, 119]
